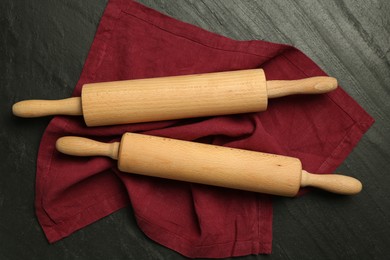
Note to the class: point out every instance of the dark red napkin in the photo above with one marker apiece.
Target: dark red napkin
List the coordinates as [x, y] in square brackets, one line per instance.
[134, 41]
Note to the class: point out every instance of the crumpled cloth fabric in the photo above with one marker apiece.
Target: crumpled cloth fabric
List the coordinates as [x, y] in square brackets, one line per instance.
[134, 41]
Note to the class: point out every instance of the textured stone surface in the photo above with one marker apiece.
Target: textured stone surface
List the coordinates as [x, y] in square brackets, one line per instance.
[43, 45]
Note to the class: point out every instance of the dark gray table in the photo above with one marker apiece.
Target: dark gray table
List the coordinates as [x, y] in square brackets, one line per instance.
[43, 45]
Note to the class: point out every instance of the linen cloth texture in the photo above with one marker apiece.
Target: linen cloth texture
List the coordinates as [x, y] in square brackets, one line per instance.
[133, 42]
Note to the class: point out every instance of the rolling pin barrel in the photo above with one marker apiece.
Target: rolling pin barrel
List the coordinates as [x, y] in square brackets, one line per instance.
[165, 98]
[176, 97]
[209, 164]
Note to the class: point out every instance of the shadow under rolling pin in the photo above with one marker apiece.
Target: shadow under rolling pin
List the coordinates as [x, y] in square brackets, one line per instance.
[209, 164]
[176, 97]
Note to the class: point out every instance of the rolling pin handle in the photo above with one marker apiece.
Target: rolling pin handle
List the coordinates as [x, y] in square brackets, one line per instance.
[80, 146]
[37, 108]
[157, 149]
[339, 184]
[314, 85]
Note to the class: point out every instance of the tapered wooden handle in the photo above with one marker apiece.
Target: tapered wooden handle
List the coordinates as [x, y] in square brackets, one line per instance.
[314, 85]
[38, 108]
[209, 164]
[80, 146]
[335, 183]
[175, 97]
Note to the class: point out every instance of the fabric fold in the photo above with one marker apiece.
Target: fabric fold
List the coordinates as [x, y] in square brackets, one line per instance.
[134, 41]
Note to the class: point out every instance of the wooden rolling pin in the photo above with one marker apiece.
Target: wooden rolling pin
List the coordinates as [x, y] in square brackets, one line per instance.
[165, 98]
[209, 164]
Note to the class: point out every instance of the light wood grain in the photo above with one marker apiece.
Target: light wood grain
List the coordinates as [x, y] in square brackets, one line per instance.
[313, 85]
[209, 164]
[37, 108]
[79, 146]
[334, 183]
[166, 98]
[349, 41]
[177, 97]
